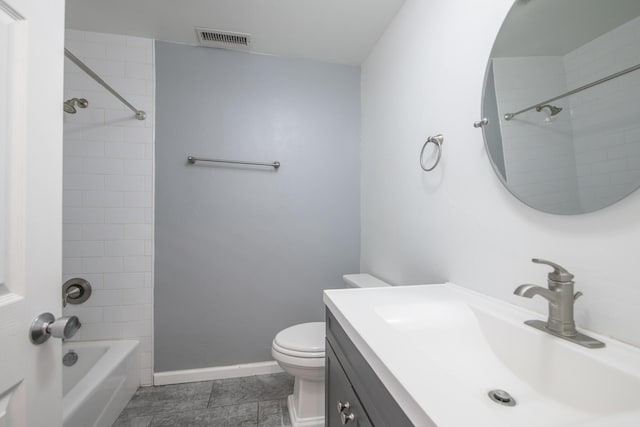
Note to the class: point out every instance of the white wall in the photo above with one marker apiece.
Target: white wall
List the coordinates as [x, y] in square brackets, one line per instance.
[459, 223]
[108, 182]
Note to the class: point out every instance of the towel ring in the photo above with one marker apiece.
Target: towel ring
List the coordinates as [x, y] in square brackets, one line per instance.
[437, 140]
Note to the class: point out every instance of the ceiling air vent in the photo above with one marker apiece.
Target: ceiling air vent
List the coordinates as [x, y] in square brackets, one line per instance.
[216, 38]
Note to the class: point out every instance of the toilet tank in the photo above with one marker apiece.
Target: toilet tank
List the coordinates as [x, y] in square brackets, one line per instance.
[363, 281]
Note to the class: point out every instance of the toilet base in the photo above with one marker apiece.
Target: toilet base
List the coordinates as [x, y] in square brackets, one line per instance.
[296, 421]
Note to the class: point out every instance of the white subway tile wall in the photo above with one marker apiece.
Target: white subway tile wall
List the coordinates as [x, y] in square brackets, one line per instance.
[108, 189]
[540, 170]
[606, 130]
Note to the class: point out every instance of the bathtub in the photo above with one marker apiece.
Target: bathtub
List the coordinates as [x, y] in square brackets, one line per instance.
[99, 385]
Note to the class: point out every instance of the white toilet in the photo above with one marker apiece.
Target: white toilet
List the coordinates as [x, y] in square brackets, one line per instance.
[299, 350]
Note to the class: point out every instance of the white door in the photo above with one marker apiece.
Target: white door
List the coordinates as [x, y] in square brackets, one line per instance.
[31, 78]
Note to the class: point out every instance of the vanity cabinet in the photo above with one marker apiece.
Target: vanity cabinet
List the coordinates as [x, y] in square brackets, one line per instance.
[342, 405]
[354, 395]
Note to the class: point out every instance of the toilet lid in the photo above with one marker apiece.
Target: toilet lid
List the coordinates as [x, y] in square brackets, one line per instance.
[302, 338]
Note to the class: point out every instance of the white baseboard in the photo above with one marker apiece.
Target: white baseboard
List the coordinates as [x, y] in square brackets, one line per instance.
[216, 373]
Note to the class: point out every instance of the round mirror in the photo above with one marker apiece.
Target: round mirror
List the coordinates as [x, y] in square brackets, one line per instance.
[562, 97]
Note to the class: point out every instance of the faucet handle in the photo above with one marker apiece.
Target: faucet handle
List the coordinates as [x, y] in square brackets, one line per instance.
[559, 273]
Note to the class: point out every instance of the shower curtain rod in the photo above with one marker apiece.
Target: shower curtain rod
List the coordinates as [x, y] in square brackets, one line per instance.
[510, 116]
[140, 115]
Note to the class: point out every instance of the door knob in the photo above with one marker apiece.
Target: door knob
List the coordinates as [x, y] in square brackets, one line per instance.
[46, 326]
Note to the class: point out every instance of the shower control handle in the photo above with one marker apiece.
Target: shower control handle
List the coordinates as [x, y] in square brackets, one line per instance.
[46, 326]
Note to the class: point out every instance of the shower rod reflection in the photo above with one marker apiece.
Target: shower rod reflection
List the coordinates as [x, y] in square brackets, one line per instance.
[140, 115]
[192, 160]
[541, 105]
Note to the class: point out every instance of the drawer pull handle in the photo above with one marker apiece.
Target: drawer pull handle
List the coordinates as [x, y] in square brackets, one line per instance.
[347, 417]
[342, 406]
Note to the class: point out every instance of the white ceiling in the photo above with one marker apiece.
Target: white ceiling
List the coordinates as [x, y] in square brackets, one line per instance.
[342, 31]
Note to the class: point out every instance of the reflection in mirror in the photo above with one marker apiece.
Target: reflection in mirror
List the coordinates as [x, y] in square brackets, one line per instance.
[4, 135]
[557, 152]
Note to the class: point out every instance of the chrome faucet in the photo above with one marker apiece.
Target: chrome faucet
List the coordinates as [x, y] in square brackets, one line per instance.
[561, 300]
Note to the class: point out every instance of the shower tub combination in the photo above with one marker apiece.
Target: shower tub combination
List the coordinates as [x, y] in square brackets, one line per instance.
[97, 387]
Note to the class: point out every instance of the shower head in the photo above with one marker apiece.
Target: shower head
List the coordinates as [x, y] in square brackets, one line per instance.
[553, 110]
[70, 105]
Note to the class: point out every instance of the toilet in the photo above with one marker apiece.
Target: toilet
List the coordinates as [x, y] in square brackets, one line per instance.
[299, 350]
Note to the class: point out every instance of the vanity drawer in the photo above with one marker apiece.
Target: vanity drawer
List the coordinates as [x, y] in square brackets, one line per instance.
[342, 404]
[378, 404]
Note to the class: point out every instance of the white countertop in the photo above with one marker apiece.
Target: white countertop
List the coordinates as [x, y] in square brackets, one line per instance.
[440, 348]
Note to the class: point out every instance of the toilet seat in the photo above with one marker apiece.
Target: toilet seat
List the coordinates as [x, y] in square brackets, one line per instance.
[297, 362]
[301, 354]
[305, 340]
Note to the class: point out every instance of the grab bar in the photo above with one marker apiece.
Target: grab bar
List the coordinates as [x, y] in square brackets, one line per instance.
[192, 160]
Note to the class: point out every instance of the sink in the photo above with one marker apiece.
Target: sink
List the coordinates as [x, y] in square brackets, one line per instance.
[441, 348]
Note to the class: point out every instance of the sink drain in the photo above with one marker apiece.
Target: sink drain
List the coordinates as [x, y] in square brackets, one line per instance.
[502, 397]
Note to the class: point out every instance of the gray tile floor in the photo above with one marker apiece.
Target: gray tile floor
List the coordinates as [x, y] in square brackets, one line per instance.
[258, 401]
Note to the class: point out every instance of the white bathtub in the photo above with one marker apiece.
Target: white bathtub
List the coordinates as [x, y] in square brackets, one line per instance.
[99, 385]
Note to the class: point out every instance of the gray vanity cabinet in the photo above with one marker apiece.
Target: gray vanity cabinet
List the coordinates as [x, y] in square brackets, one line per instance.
[342, 404]
[354, 395]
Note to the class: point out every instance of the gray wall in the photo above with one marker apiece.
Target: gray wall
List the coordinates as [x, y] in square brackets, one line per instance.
[242, 252]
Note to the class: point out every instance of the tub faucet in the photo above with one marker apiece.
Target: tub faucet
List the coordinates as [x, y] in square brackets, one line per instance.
[75, 291]
[561, 300]
[72, 293]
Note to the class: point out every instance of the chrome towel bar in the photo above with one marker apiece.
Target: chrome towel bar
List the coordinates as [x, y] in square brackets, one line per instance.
[192, 160]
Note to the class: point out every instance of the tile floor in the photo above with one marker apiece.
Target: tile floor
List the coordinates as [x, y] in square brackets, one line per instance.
[258, 401]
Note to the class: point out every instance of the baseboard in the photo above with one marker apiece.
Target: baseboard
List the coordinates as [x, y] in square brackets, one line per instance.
[216, 373]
